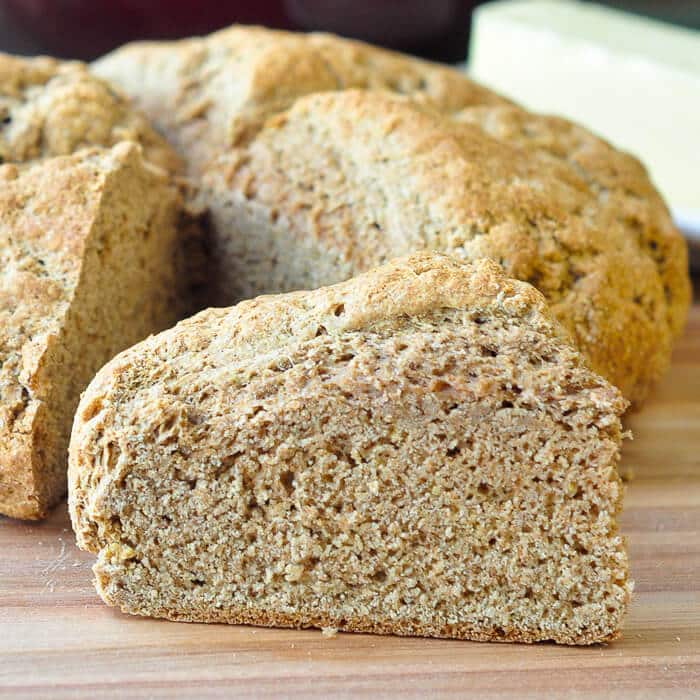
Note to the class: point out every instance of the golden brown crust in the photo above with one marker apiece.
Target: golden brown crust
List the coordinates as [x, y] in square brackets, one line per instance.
[66, 224]
[620, 183]
[558, 206]
[207, 94]
[53, 108]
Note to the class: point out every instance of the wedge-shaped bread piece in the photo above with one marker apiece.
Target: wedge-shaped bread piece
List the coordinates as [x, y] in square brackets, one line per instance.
[342, 181]
[53, 108]
[89, 264]
[414, 451]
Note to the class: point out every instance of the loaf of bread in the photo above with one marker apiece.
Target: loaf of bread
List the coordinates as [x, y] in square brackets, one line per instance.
[89, 264]
[313, 172]
[414, 451]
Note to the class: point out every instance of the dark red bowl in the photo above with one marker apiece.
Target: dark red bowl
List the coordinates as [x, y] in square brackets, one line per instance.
[86, 29]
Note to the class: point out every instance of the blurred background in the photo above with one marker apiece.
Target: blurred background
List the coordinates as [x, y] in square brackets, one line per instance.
[637, 88]
[437, 29]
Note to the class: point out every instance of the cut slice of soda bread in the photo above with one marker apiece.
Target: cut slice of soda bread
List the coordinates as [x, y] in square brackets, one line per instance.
[414, 451]
[90, 263]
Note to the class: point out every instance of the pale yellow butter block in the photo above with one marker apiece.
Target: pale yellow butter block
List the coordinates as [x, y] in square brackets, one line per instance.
[633, 80]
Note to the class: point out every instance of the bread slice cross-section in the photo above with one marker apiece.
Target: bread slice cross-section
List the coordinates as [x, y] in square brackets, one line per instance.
[416, 451]
[90, 263]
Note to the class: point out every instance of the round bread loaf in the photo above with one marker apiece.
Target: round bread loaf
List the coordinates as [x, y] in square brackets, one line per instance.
[313, 172]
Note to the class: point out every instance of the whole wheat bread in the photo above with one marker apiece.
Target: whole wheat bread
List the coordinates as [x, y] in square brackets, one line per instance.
[90, 263]
[92, 251]
[54, 108]
[347, 180]
[414, 451]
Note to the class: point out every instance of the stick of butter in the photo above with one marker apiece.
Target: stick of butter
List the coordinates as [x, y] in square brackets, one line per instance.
[634, 81]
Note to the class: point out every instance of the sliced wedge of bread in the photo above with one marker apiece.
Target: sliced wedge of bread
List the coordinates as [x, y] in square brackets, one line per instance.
[415, 451]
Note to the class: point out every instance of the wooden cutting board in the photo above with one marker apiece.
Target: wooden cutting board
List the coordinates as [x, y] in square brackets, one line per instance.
[57, 640]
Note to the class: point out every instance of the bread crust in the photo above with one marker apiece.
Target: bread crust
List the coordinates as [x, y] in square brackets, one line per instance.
[207, 94]
[406, 628]
[53, 108]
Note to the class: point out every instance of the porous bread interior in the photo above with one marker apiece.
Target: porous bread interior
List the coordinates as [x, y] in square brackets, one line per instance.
[451, 473]
[91, 263]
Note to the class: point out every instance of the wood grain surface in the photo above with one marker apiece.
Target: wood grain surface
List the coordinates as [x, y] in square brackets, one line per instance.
[57, 639]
